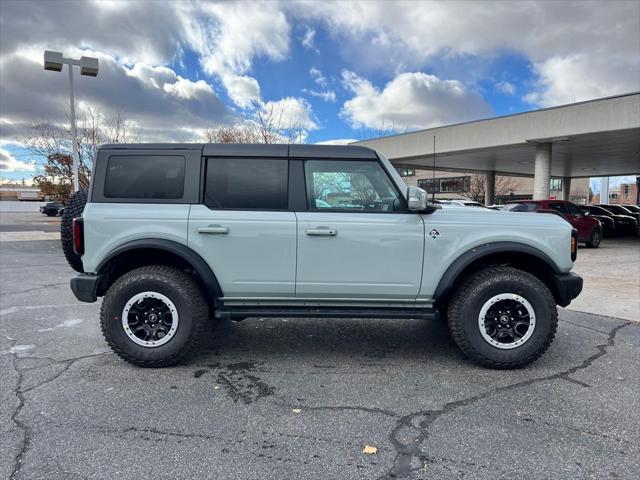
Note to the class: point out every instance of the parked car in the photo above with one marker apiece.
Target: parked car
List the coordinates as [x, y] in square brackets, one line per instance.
[620, 210]
[52, 209]
[175, 236]
[605, 218]
[494, 207]
[590, 230]
[461, 203]
[624, 224]
[632, 208]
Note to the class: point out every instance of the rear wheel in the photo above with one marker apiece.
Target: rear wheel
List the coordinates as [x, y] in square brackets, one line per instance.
[595, 238]
[153, 316]
[503, 317]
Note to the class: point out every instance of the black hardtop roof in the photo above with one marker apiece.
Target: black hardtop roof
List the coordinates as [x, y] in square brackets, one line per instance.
[254, 149]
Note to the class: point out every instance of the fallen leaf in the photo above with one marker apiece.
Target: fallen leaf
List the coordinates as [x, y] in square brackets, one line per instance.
[369, 450]
[296, 410]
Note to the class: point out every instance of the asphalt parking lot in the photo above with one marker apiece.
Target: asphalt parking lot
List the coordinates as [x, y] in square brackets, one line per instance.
[301, 398]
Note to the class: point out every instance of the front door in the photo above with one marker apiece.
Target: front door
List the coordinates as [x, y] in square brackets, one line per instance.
[356, 240]
[244, 229]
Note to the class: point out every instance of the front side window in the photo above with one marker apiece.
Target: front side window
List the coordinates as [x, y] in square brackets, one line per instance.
[559, 207]
[246, 183]
[359, 186]
[573, 210]
[145, 176]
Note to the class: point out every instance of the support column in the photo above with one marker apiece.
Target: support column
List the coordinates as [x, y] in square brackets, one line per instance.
[542, 171]
[604, 190]
[566, 188]
[489, 188]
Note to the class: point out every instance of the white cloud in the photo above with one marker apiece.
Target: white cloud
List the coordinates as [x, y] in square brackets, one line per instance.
[401, 36]
[505, 87]
[8, 163]
[575, 78]
[327, 95]
[318, 77]
[410, 100]
[291, 113]
[165, 105]
[337, 141]
[308, 39]
[228, 36]
[243, 90]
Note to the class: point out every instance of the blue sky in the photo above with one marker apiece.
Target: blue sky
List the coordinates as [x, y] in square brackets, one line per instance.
[336, 70]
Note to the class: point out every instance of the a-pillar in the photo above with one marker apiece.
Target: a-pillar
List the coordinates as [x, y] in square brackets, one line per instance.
[490, 188]
[542, 171]
[566, 188]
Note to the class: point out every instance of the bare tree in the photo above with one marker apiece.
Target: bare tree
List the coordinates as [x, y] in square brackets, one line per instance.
[477, 186]
[51, 145]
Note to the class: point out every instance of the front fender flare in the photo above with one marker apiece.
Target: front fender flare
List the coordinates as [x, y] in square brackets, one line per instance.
[476, 253]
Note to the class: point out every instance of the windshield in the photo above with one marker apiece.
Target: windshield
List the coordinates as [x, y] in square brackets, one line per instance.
[520, 207]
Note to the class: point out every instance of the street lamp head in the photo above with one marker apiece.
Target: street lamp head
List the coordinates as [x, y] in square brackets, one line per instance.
[53, 61]
[89, 66]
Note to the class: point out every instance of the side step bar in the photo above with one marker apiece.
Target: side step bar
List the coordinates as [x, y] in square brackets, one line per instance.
[240, 312]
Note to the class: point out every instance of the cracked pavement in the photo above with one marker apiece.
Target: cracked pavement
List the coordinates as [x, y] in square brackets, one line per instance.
[274, 398]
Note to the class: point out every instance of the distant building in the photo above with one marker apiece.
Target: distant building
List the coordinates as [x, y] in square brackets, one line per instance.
[625, 194]
[459, 185]
[21, 193]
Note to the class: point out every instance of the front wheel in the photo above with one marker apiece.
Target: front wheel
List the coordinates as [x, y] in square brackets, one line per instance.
[502, 317]
[153, 316]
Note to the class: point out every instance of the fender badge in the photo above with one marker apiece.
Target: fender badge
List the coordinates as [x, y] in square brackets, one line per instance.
[434, 233]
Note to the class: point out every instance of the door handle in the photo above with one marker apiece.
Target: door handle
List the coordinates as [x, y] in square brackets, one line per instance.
[322, 232]
[213, 230]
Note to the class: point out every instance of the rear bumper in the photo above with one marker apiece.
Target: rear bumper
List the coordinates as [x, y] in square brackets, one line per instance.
[85, 286]
[568, 286]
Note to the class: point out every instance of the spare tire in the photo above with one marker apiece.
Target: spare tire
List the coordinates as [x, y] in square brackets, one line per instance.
[72, 210]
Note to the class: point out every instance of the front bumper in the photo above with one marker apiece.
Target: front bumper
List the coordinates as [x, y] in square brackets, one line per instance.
[568, 286]
[85, 286]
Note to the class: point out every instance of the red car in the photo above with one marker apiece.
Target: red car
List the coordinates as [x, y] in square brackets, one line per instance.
[589, 228]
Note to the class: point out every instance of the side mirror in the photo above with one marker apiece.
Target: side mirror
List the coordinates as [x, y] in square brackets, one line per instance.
[416, 199]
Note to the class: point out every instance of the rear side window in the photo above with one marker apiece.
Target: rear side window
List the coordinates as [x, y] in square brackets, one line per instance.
[521, 207]
[246, 183]
[145, 176]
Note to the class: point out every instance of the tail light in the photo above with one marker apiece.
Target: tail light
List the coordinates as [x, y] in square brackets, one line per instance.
[78, 236]
[574, 245]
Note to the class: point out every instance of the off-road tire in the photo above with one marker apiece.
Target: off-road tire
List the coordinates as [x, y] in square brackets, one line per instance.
[466, 303]
[181, 289]
[595, 238]
[74, 209]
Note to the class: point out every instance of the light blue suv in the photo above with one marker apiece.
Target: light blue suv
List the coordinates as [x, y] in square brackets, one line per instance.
[178, 235]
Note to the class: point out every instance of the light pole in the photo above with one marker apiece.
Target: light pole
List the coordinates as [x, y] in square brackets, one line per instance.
[88, 66]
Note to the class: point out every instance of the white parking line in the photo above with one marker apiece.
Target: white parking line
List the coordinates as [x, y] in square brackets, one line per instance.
[28, 236]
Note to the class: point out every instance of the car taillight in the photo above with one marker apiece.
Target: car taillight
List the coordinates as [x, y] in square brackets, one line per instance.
[78, 236]
[574, 245]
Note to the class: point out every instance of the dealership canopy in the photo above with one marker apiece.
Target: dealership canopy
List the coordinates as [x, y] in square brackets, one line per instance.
[587, 139]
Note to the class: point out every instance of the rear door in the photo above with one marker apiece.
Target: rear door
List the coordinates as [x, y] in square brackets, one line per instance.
[243, 227]
[356, 239]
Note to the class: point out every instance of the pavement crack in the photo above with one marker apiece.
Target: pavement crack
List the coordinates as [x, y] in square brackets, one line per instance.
[20, 392]
[67, 364]
[23, 427]
[34, 289]
[414, 428]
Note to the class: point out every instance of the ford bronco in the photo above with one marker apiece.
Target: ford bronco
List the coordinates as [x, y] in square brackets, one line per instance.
[174, 236]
